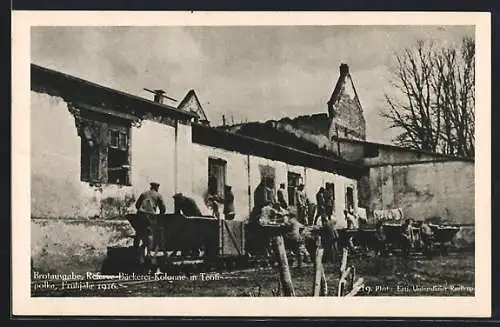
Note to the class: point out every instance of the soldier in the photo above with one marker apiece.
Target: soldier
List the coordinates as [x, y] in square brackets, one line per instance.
[147, 205]
[212, 199]
[406, 237]
[228, 203]
[296, 240]
[351, 218]
[281, 197]
[426, 234]
[269, 196]
[185, 205]
[380, 238]
[320, 206]
[301, 203]
[329, 202]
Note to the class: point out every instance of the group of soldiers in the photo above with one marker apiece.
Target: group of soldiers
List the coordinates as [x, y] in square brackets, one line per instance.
[307, 213]
[150, 203]
[411, 234]
[272, 207]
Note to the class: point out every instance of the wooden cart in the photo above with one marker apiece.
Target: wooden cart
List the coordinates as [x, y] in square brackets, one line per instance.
[180, 240]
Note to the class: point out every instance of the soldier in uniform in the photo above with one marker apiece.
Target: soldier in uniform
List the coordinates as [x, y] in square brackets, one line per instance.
[301, 203]
[228, 203]
[147, 205]
[296, 241]
[406, 237]
[186, 206]
[426, 234]
[281, 197]
[320, 206]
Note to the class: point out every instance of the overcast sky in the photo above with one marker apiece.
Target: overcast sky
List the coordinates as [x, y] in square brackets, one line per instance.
[249, 73]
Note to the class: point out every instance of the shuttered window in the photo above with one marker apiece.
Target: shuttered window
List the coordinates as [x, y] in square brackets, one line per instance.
[105, 152]
[118, 155]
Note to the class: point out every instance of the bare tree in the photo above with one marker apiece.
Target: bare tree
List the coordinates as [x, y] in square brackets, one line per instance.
[434, 104]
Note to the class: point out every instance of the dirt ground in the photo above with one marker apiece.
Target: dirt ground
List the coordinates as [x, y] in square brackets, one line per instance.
[450, 275]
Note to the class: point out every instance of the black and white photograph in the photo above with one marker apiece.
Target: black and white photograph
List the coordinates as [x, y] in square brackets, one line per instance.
[253, 161]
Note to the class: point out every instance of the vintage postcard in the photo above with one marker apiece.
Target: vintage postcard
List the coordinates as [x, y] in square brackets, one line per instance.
[251, 164]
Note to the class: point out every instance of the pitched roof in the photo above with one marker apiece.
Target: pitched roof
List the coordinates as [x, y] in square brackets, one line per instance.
[285, 134]
[266, 148]
[186, 105]
[75, 89]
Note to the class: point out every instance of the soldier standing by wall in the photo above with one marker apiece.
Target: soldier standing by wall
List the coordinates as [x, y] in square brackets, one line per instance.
[328, 195]
[281, 196]
[301, 203]
[229, 213]
[320, 206]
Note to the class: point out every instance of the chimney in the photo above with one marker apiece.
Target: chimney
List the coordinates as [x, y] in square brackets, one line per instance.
[159, 96]
[344, 69]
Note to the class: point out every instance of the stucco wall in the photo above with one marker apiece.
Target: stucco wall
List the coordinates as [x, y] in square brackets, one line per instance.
[79, 246]
[356, 151]
[183, 159]
[153, 159]
[243, 174]
[236, 176]
[395, 156]
[56, 189]
[425, 190]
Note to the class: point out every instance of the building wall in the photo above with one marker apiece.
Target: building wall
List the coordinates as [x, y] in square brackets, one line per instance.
[56, 189]
[424, 190]
[182, 157]
[153, 159]
[364, 152]
[236, 176]
[243, 174]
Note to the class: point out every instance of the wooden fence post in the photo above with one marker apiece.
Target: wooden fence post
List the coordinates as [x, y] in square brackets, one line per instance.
[324, 285]
[318, 267]
[284, 270]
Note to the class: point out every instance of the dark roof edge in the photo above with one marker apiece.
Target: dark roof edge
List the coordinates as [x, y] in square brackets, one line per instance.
[400, 148]
[157, 106]
[244, 140]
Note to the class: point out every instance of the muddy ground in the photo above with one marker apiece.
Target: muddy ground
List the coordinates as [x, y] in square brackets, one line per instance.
[443, 275]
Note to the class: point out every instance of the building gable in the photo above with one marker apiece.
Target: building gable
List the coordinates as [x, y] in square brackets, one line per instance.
[344, 109]
[192, 104]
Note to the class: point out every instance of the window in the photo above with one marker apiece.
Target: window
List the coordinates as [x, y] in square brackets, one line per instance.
[118, 155]
[349, 197]
[294, 180]
[105, 152]
[216, 176]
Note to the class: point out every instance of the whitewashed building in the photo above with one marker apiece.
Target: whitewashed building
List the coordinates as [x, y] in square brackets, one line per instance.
[95, 149]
